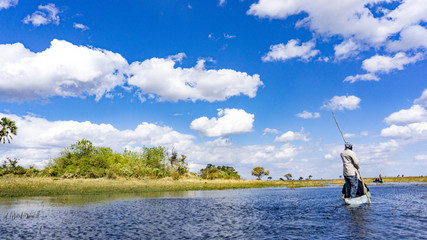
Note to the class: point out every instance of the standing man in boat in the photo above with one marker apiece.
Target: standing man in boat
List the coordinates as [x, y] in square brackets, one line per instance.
[350, 165]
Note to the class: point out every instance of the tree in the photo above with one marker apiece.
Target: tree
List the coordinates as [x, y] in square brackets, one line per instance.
[8, 128]
[259, 172]
[288, 176]
[309, 177]
[178, 164]
[214, 172]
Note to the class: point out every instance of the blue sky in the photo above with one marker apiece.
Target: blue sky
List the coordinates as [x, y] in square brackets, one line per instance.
[228, 82]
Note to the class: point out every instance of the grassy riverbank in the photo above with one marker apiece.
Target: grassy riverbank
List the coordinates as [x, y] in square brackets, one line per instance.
[12, 186]
[47, 186]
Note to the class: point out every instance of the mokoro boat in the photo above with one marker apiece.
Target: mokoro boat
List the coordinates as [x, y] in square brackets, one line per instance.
[357, 200]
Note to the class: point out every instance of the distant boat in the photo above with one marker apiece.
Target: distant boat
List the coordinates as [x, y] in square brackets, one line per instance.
[357, 200]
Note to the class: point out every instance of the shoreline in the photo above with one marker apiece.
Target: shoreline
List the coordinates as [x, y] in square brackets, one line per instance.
[13, 186]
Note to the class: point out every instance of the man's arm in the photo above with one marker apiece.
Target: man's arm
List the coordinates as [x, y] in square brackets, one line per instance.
[355, 160]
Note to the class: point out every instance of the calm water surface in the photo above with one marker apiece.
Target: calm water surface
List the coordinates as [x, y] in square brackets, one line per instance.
[397, 212]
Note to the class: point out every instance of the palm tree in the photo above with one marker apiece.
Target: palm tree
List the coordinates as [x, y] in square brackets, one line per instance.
[7, 128]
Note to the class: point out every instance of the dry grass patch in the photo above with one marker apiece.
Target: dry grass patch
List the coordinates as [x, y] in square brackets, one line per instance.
[11, 186]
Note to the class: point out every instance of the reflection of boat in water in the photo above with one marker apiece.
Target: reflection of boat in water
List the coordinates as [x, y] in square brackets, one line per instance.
[357, 200]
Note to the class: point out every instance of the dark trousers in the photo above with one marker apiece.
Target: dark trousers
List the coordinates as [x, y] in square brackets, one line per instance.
[351, 186]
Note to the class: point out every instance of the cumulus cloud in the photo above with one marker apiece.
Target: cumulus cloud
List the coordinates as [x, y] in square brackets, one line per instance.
[5, 4]
[413, 37]
[63, 70]
[293, 49]
[423, 99]
[353, 135]
[346, 49]
[48, 14]
[385, 64]
[229, 121]
[421, 157]
[269, 130]
[414, 122]
[80, 26]
[342, 102]
[160, 77]
[362, 77]
[308, 115]
[68, 70]
[415, 114]
[222, 2]
[290, 136]
[415, 131]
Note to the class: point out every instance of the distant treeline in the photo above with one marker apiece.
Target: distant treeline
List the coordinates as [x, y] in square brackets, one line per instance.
[84, 160]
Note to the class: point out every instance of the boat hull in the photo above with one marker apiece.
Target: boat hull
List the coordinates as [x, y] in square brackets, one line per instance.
[357, 200]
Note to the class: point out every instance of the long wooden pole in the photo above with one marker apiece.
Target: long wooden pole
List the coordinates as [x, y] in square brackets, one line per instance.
[360, 175]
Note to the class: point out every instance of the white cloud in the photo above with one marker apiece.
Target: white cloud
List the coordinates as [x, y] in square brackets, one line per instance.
[346, 49]
[349, 135]
[228, 36]
[423, 99]
[229, 121]
[286, 151]
[269, 130]
[415, 114]
[421, 157]
[415, 131]
[290, 136]
[328, 156]
[412, 37]
[5, 4]
[379, 153]
[222, 2]
[361, 77]
[342, 102]
[160, 77]
[47, 14]
[61, 70]
[68, 70]
[352, 135]
[292, 49]
[80, 26]
[385, 64]
[308, 115]
[333, 17]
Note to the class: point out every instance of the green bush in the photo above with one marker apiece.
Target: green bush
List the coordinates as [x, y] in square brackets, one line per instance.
[215, 172]
[83, 159]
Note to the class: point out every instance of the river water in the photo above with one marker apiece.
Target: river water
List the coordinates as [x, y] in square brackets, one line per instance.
[397, 212]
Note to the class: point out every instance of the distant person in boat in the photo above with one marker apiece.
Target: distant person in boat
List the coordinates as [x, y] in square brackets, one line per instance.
[350, 166]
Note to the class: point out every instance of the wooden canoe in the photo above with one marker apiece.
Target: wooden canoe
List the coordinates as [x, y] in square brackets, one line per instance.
[357, 200]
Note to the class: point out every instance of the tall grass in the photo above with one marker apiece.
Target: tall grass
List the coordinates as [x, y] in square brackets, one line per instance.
[13, 186]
